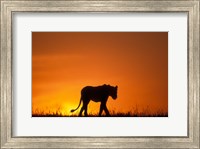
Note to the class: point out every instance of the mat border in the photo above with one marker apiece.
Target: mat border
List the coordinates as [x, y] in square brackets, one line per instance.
[9, 7]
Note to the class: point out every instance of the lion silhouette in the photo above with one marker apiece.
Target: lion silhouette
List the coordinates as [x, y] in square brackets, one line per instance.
[96, 94]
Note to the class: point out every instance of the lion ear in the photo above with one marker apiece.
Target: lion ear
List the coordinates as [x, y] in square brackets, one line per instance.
[116, 87]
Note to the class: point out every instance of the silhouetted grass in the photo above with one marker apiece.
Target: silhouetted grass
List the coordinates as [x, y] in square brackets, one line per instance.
[134, 113]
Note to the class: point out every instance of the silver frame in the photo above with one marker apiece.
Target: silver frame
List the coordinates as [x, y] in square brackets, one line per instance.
[8, 7]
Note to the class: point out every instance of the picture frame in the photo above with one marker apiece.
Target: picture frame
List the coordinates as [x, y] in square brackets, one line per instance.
[8, 8]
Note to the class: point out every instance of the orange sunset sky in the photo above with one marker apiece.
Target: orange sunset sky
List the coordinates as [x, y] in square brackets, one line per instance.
[65, 62]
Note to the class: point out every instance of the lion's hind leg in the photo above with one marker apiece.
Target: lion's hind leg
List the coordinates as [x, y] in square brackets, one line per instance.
[85, 113]
[85, 105]
[84, 108]
[80, 113]
[101, 109]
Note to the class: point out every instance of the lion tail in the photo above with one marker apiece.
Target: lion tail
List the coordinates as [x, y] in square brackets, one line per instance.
[77, 107]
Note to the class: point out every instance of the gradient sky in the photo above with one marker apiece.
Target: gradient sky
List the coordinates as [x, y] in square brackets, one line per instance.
[64, 62]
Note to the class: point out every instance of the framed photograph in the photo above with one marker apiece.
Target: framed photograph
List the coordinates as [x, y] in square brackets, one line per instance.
[99, 74]
[72, 54]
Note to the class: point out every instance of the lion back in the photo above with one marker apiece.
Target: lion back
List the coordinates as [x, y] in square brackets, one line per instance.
[97, 92]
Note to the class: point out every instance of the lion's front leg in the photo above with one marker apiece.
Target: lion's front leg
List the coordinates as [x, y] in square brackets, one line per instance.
[106, 110]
